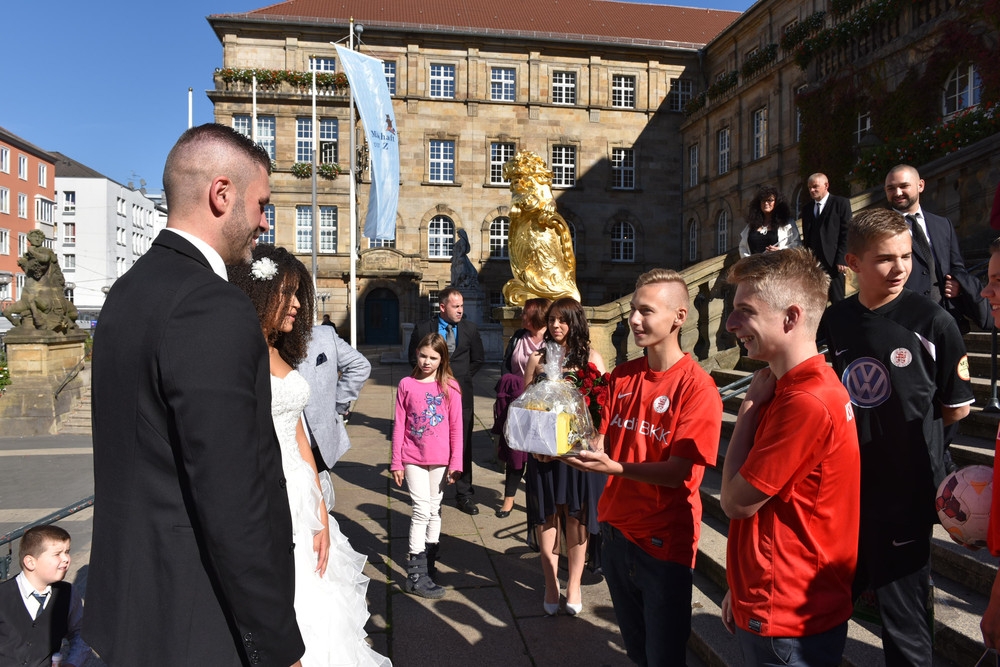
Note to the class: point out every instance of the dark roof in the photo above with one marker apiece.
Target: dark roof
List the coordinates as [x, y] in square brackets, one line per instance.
[573, 20]
[69, 168]
[10, 138]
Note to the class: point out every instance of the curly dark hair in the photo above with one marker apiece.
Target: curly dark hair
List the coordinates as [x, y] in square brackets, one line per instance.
[269, 295]
[782, 214]
[570, 311]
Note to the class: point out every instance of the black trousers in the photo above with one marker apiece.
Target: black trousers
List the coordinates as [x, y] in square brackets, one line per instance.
[463, 487]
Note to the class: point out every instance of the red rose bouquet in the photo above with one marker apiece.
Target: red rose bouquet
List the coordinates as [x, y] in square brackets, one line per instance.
[593, 386]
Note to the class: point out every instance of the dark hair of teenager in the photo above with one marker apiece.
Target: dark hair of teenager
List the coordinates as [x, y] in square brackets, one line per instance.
[534, 312]
[436, 342]
[570, 311]
[270, 296]
[36, 540]
[781, 215]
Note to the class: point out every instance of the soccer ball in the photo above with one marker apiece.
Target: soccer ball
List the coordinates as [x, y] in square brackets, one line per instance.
[963, 505]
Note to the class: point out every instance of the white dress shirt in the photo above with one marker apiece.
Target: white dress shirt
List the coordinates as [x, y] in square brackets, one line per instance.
[78, 649]
[213, 257]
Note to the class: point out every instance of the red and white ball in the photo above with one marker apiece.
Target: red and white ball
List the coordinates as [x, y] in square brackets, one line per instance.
[963, 504]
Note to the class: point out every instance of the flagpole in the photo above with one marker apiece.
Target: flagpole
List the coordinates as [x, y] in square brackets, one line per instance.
[315, 204]
[253, 108]
[353, 297]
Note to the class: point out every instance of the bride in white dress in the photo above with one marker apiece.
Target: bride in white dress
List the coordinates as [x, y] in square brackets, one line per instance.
[330, 586]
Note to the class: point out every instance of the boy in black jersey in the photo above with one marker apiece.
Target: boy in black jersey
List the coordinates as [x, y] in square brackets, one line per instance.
[902, 359]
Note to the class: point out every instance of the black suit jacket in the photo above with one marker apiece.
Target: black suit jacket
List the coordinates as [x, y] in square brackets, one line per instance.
[827, 235]
[467, 358]
[948, 259]
[191, 560]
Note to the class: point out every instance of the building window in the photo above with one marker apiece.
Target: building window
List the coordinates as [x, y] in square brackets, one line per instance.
[681, 92]
[500, 154]
[623, 168]
[5, 200]
[327, 229]
[4, 291]
[623, 242]
[564, 88]
[722, 233]
[798, 115]
[442, 161]
[4, 241]
[322, 64]
[265, 131]
[864, 126]
[120, 206]
[502, 80]
[381, 243]
[268, 237]
[623, 91]
[389, 68]
[572, 234]
[693, 166]
[328, 140]
[69, 202]
[440, 237]
[43, 210]
[43, 175]
[69, 262]
[22, 167]
[443, 81]
[22, 244]
[722, 138]
[303, 140]
[19, 281]
[433, 303]
[692, 241]
[498, 238]
[759, 133]
[22, 205]
[564, 166]
[4, 160]
[69, 233]
[963, 89]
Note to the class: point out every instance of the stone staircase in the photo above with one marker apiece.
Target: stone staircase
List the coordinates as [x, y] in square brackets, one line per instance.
[77, 420]
[962, 578]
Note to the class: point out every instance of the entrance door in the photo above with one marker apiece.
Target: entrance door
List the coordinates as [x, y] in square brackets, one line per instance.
[382, 317]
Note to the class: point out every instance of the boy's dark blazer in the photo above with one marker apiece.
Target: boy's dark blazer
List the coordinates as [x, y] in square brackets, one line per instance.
[192, 551]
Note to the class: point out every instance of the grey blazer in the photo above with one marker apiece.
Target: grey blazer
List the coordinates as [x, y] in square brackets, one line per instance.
[336, 372]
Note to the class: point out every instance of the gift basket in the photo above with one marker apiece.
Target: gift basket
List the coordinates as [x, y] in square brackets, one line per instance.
[550, 417]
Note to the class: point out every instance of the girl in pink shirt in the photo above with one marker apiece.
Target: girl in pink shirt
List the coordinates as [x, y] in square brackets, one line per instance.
[426, 451]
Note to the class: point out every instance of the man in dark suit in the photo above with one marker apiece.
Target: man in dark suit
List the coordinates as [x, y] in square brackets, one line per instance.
[192, 549]
[824, 231]
[466, 357]
[938, 270]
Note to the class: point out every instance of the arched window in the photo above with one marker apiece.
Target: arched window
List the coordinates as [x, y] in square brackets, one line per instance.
[498, 237]
[623, 242]
[722, 233]
[963, 89]
[692, 241]
[440, 237]
[572, 234]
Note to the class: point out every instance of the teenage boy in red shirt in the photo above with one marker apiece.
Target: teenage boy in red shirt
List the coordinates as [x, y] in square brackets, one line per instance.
[658, 432]
[791, 478]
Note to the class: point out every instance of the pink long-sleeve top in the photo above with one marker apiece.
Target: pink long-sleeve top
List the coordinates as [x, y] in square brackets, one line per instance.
[428, 426]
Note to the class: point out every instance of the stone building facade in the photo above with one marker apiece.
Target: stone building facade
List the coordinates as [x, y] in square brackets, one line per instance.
[597, 89]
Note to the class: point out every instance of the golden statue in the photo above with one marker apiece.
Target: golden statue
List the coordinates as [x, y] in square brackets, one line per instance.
[540, 246]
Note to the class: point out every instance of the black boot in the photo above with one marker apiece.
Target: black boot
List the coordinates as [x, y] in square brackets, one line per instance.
[432, 557]
[417, 581]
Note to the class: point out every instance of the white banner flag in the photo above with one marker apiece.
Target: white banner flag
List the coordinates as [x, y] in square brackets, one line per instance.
[367, 79]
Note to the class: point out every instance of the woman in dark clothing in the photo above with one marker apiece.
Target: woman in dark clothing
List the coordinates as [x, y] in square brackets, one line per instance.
[769, 224]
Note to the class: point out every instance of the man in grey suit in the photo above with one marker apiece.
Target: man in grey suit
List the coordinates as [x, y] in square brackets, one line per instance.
[824, 231]
[938, 270]
[336, 372]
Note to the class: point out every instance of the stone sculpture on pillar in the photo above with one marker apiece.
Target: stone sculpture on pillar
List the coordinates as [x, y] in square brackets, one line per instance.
[42, 305]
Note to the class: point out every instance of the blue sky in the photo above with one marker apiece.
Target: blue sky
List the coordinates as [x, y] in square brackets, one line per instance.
[105, 83]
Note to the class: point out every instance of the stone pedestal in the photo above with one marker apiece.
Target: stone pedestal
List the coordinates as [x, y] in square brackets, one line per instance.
[45, 381]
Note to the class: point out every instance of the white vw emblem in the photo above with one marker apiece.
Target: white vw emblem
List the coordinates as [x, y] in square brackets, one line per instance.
[867, 382]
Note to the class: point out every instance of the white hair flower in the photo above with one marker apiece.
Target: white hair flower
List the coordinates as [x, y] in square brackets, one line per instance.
[264, 269]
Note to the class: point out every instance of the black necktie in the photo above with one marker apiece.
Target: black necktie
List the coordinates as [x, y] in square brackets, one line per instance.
[817, 210]
[449, 337]
[41, 602]
[922, 247]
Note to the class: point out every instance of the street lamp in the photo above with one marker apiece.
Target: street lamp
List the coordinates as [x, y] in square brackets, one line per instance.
[323, 296]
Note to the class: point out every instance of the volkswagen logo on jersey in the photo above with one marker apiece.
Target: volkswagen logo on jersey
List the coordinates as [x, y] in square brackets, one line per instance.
[867, 382]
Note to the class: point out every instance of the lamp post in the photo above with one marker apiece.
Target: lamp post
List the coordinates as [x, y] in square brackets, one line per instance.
[322, 297]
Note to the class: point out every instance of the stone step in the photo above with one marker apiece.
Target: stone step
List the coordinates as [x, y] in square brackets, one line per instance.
[979, 341]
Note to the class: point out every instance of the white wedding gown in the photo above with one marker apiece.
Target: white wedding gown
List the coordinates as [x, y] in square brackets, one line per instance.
[331, 610]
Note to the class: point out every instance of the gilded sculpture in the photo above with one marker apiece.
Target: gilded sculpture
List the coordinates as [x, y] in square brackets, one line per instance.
[539, 241]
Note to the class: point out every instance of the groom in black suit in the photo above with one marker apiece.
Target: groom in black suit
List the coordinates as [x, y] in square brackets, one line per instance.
[466, 357]
[192, 548]
[824, 231]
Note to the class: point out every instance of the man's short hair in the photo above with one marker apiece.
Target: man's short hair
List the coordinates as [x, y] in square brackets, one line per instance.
[36, 540]
[663, 276]
[785, 277]
[446, 293]
[869, 227]
[219, 143]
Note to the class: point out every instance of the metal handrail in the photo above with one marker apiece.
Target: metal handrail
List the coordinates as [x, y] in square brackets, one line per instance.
[737, 387]
[58, 515]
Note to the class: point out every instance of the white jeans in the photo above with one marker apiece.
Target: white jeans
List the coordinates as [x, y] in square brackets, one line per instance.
[426, 491]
